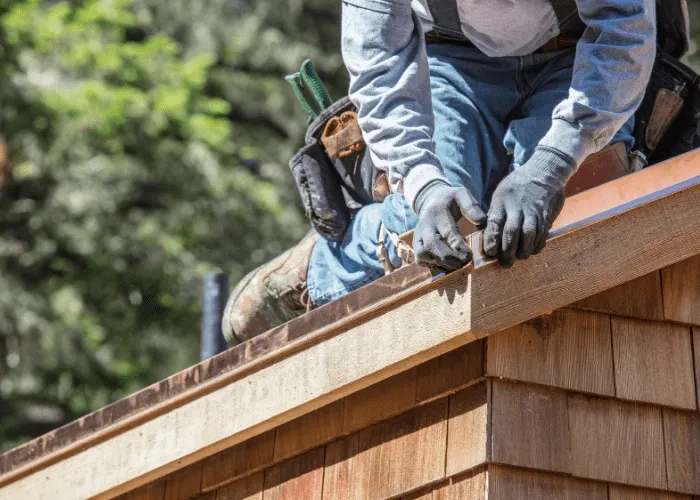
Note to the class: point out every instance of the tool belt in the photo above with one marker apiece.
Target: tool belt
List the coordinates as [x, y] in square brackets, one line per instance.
[552, 45]
[667, 121]
[335, 175]
[333, 171]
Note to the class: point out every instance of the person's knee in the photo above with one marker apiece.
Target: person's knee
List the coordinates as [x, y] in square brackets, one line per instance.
[397, 215]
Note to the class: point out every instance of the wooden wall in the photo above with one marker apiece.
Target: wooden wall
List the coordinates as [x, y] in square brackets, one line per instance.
[595, 401]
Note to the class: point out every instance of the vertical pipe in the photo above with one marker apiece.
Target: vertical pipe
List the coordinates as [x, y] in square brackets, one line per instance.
[214, 296]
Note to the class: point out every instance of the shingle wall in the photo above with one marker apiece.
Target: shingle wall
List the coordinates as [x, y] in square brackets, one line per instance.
[596, 401]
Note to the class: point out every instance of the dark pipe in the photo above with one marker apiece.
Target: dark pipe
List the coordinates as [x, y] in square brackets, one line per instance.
[214, 296]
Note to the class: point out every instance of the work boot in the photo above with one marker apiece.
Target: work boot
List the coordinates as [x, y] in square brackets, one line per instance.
[270, 295]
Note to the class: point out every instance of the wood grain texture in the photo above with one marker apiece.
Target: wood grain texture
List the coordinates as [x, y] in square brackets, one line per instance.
[340, 481]
[654, 362]
[185, 483]
[406, 330]
[390, 458]
[468, 486]
[681, 286]
[422, 494]
[153, 491]
[529, 426]
[380, 401]
[299, 477]
[210, 495]
[505, 483]
[616, 441]
[227, 465]
[309, 431]
[618, 492]
[696, 354]
[598, 260]
[332, 368]
[404, 453]
[467, 429]
[569, 349]
[247, 488]
[682, 450]
[639, 298]
[450, 371]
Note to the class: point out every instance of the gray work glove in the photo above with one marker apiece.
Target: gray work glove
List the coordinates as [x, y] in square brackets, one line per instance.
[525, 204]
[436, 239]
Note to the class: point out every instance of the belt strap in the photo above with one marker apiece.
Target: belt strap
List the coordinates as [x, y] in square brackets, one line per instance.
[446, 17]
[570, 23]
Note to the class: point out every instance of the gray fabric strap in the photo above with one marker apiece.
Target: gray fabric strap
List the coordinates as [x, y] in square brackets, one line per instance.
[446, 17]
[570, 24]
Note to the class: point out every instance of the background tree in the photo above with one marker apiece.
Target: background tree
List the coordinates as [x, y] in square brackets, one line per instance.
[149, 142]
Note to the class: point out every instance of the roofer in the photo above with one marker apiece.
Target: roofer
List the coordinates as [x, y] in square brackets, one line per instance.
[522, 93]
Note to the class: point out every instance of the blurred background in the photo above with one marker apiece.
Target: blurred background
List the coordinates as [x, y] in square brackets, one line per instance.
[148, 145]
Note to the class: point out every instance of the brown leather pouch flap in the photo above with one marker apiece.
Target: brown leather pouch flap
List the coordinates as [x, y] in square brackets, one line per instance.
[342, 135]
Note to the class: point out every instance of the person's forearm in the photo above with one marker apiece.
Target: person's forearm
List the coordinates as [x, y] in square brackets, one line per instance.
[384, 52]
[613, 64]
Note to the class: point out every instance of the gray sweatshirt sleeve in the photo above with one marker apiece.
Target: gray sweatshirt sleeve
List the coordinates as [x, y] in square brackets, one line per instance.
[384, 51]
[613, 64]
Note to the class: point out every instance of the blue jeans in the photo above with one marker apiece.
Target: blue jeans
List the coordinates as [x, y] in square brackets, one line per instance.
[490, 114]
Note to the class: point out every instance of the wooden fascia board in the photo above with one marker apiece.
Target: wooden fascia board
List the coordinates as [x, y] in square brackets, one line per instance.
[630, 230]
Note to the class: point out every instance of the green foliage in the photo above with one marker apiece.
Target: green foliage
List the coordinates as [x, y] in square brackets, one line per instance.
[149, 143]
[135, 127]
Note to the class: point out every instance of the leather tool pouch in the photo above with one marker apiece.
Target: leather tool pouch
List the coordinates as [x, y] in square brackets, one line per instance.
[666, 123]
[334, 173]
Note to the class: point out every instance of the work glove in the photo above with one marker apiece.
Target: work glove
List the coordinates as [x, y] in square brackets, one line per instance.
[525, 205]
[437, 242]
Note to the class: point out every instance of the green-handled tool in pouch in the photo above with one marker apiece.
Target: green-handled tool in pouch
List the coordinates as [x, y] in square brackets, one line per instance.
[306, 79]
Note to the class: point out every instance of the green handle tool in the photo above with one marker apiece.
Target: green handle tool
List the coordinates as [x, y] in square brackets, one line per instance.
[315, 85]
[307, 79]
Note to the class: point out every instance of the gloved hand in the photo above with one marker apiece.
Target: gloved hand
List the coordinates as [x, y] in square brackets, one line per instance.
[525, 205]
[436, 239]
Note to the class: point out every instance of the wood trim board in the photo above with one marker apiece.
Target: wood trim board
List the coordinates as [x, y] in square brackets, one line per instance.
[443, 315]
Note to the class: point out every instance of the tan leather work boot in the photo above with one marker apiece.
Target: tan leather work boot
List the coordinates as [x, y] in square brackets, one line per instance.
[270, 295]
